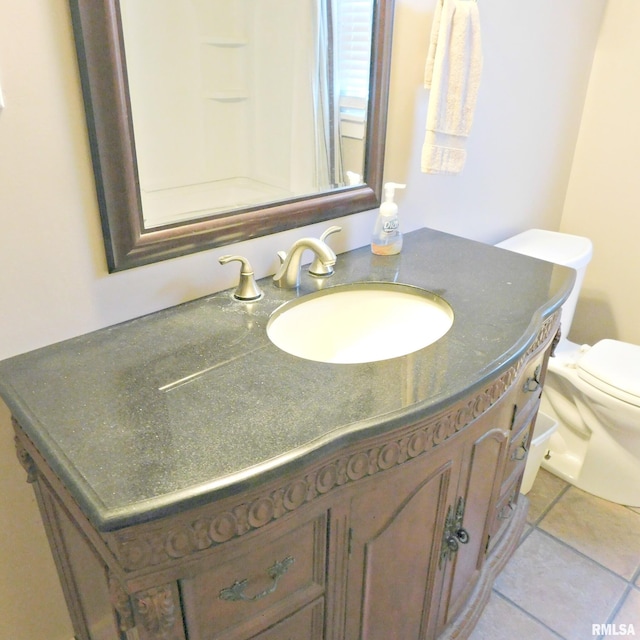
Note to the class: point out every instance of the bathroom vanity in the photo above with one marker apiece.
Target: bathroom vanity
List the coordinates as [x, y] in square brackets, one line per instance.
[196, 482]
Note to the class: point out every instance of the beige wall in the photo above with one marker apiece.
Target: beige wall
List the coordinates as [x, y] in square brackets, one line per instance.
[537, 57]
[603, 198]
[53, 280]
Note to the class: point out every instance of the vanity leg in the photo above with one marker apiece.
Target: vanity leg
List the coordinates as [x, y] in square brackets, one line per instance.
[55, 538]
[83, 576]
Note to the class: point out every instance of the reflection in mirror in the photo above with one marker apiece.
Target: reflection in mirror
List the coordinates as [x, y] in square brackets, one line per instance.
[214, 121]
[237, 108]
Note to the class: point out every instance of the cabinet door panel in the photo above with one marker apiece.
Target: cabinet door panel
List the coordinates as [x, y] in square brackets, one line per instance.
[479, 488]
[396, 543]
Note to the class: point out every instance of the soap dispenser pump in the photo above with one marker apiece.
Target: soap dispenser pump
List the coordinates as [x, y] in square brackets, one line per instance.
[387, 239]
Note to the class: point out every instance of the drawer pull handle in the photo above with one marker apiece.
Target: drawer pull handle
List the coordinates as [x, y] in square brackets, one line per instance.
[533, 383]
[507, 511]
[520, 453]
[236, 591]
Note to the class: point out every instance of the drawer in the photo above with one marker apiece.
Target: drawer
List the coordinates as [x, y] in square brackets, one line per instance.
[266, 580]
[504, 509]
[518, 450]
[306, 624]
[529, 387]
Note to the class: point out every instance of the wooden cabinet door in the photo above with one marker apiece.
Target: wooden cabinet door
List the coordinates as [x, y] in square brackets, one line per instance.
[394, 576]
[478, 491]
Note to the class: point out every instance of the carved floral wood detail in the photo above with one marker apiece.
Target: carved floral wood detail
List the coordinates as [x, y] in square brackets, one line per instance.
[157, 610]
[139, 549]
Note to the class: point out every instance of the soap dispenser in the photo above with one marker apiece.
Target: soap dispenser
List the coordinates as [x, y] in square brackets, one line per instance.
[387, 239]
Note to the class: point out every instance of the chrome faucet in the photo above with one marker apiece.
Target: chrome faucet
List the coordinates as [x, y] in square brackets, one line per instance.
[288, 275]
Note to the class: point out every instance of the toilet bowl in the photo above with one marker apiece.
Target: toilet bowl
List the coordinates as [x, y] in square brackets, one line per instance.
[592, 392]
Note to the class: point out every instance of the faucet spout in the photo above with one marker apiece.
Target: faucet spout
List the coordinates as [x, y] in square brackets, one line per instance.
[288, 275]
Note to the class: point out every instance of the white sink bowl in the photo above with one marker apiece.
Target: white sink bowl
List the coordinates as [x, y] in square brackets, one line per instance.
[363, 322]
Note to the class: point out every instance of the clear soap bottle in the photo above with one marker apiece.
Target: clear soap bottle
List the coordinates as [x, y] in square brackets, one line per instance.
[387, 238]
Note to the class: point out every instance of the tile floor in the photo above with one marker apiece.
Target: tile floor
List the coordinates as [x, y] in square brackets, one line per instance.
[577, 566]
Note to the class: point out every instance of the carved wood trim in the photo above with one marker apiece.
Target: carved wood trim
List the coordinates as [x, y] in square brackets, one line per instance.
[141, 548]
[157, 610]
[337, 568]
[49, 482]
[555, 341]
[24, 458]
[121, 603]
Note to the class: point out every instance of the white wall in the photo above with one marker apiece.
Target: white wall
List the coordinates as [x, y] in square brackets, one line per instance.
[537, 58]
[603, 198]
[53, 279]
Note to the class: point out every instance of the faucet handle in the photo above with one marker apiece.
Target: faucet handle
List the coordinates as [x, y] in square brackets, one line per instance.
[247, 288]
[317, 268]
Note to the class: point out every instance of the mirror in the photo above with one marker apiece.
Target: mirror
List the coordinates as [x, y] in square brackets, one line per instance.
[216, 121]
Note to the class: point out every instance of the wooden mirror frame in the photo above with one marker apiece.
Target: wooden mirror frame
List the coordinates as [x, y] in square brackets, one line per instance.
[99, 42]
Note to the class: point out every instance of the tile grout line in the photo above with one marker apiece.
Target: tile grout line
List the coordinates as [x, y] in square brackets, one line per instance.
[635, 580]
[550, 505]
[528, 614]
[584, 556]
[616, 608]
[533, 525]
[619, 604]
[630, 584]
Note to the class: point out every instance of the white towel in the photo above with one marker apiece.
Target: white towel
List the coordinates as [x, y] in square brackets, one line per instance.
[452, 72]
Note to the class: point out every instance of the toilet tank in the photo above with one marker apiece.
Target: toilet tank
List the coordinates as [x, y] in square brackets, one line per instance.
[561, 248]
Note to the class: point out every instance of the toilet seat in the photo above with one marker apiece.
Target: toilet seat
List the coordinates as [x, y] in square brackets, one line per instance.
[613, 367]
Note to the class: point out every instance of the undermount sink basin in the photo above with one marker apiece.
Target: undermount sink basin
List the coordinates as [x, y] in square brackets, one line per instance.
[363, 322]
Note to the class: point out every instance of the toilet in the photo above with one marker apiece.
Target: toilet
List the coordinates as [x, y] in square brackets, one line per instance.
[592, 392]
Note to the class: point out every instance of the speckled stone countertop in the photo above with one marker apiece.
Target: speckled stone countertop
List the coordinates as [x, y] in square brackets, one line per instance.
[177, 408]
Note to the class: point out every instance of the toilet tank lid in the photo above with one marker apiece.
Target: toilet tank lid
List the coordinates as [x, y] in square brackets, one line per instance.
[613, 367]
[552, 246]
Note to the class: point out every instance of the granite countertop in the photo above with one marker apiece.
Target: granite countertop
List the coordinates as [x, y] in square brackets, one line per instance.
[182, 406]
